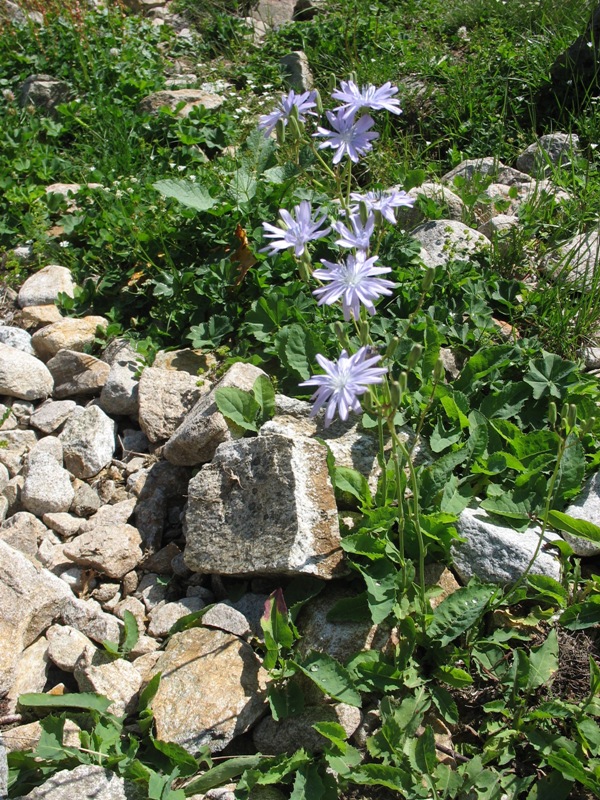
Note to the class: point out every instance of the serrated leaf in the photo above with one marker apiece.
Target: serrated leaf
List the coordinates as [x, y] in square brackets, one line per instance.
[87, 701]
[285, 700]
[459, 612]
[131, 630]
[581, 615]
[308, 784]
[177, 755]
[381, 579]
[445, 704]
[237, 406]
[543, 661]
[296, 349]
[222, 773]
[50, 744]
[331, 677]
[189, 194]
[453, 676]
[393, 778]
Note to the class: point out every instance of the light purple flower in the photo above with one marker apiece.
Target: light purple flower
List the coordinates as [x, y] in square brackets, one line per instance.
[349, 137]
[360, 235]
[383, 201]
[370, 96]
[303, 102]
[355, 281]
[295, 232]
[344, 382]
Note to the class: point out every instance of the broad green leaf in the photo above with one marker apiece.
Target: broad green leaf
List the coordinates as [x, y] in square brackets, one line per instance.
[576, 527]
[393, 778]
[87, 701]
[237, 406]
[192, 620]
[582, 615]
[571, 767]
[548, 587]
[550, 375]
[445, 704]
[350, 609]
[242, 186]
[296, 348]
[132, 632]
[424, 753]
[381, 579]
[455, 496]
[286, 700]
[350, 481]
[589, 731]
[552, 786]
[264, 394]
[189, 194]
[571, 470]
[177, 755]
[308, 784]
[459, 612]
[543, 661]
[222, 773]
[331, 677]
[485, 361]
[50, 745]
[453, 676]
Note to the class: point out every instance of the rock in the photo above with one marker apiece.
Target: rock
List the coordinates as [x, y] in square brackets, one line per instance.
[44, 92]
[66, 334]
[165, 398]
[86, 501]
[187, 360]
[297, 72]
[273, 13]
[576, 262]
[34, 317]
[550, 151]
[448, 240]
[77, 373]
[174, 97]
[43, 287]
[12, 493]
[66, 646]
[87, 780]
[65, 525]
[49, 445]
[118, 680]
[587, 507]
[272, 738]
[17, 338]
[51, 415]
[31, 673]
[24, 532]
[23, 375]
[47, 487]
[164, 616]
[410, 216]
[264, 506]
[591, 357]
[152, 591]
[212, 689]
[112, 550]
[439, 575]
[471, 167]
[110, 516]
[88, 617]
[502, 230]
[89, 442]
[499, 554]
[163, 485]
[160, 562]
[120, 392]
[204, 428]
[226, 618]
[135, 607]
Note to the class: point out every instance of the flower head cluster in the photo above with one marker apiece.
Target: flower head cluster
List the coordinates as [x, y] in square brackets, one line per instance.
[295, 232]
[355, 281]
[383, 201]
[344, 382]
[359, 236]
[372, 97]
[348, 137]
[304, 103]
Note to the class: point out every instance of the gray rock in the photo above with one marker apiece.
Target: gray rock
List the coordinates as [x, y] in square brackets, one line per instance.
[264, 506]
[499, 554]
[550, 151]
[586, 506]
[44, 286]
[164, 616]
[85, 781]
[65, 525]
[89, 442]
[502, 230]
[86, 501]
[226, 618]
[118, 680]
[88, 617]
[24, 532]
[165, 398]
[44, 92]
[47, 487]
[3, 771]
[77, 373]
[66, 646]
[163, 484]
[174, 97]
[577, 261]
[17, 338]
[120, 392]
[195, 362]
[23, 375]
[66, 334]
[297, 72]
[109, 516]
[212, 689]
[51, 415]
[4, 477]
[112, 550]
[34, 317]
[274, 13]
[471, 167]
[31, 673]
[408, 217]
[12, 493]
[151, 591]
[448, 240]
[204, 428]
[287, 736]
[50, 445]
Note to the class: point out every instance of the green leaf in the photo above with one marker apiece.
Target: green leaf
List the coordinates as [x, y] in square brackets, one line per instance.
[571, 470]
[459, 612]
[50, 745]
[548, 587]
[381, 578]
[543, 661]
[571, 767]
[580, 528]
[393, 778]
[189, 194]
[350, 481]
[331, 677]
[552, 785]
[177, 755]
[192, 620]
[308, 784]
[581, 615]
[350, 609]
[238, 407]
[242, 186]
[485, 361]
[286, 700]
[445, 704]
[222, 773]
[453, 676]
[296, 349]
[87, 701]
[264, 394]
[550, 375]
[425, 755]
[132, 633]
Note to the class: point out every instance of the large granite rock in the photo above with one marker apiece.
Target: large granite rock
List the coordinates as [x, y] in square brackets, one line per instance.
[85, 781]
[89, 442]
[264, 506]
[44, 286]
[66, 334]
[212, 689]
[165, 397]
[23, 375]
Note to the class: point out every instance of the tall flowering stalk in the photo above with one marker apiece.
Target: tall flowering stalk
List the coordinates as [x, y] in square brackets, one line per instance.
[354, 280]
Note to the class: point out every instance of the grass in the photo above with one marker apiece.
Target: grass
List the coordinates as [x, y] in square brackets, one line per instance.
[521, 415]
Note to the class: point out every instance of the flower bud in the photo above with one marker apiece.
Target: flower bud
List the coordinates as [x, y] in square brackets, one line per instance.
[571, 416]
[392, 347]
[295, 127]
[280, 131]
[427, 281]
[318, 101]
[363, 211]
[402, 382]
[363, 331]
[395, 394]
[353, 77]
[414, 356]
[439, 371]
[341, 334]
[552, 414]
[331, 82]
